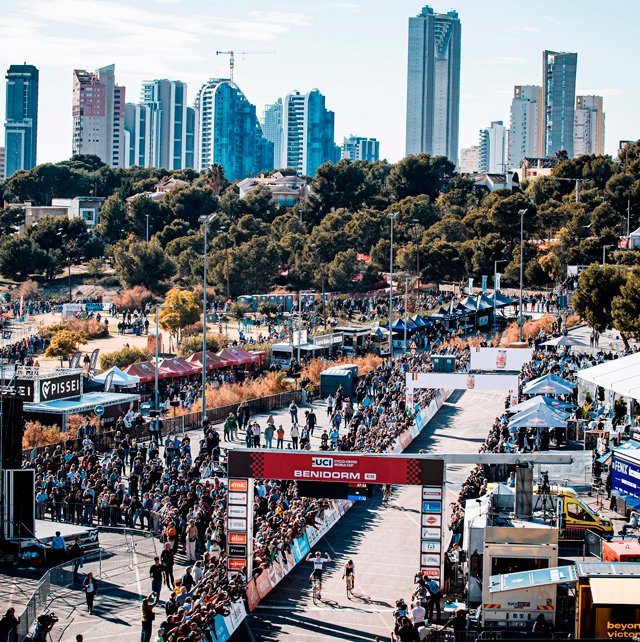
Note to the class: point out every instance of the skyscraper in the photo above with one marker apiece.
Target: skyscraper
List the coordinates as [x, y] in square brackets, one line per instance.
[307, 133]
[526, 132]
[167, 100]
[588, 126]
[469, 160]
[98, 115]
[492, 153]
[21, 119]
[228, 132]
[559, 95]
[433, 84]
[272, 130]
[137, 134]
[358, 148]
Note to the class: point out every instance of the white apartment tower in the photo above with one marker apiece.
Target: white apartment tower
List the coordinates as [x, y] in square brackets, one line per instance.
[526, 132]
[469, 160]
[588, 126]
[493, 148]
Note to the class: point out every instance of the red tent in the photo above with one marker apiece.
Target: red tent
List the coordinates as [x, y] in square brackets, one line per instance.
[177, 367]
[213, 360]
[145, 370]
[238, 356]
[262, 356]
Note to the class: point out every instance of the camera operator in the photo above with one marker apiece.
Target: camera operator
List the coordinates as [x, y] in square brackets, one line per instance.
[43, 626]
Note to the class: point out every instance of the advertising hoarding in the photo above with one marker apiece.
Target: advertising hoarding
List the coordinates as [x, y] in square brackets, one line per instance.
[500, 359]
[462, 381]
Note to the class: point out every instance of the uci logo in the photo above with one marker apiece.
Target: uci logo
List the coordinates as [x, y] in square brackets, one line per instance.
[321, 462]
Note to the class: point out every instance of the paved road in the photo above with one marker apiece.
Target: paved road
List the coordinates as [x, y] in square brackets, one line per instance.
[383, 543]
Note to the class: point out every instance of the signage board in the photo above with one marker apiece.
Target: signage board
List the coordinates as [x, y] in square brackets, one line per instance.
[238, 550]
[24, 389]
[342, 467]
[500, 359]
[54, 388]
[625, 476]
[99, 411]
[461, 381]
[237, 538]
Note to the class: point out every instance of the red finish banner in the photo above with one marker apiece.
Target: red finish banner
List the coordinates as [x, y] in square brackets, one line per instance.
[336, 467]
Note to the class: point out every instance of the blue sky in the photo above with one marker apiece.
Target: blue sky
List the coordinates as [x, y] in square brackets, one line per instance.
[354, 51]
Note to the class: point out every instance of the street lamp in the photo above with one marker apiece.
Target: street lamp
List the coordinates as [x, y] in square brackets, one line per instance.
[147, 227]
[604, 253]
[158, 308]
[522, 213]
[495, 289]
[416, 229]
[205, 221]
[300, 293]
[392, 217]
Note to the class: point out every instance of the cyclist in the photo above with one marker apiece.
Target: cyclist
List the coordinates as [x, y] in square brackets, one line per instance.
[350, 574]
[386, 493]
[318, 567]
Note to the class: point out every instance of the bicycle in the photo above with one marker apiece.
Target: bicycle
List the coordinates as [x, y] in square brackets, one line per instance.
[316, 589]
[350, 581]
[386, 494]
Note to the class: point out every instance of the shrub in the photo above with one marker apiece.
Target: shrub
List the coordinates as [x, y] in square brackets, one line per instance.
[88, 328]
[531, 329]
[37, 435]
[29, 290]
[64, 343]
[365, 364]
[193, 344]
[134, 298]
[124, 357]
[239, 310]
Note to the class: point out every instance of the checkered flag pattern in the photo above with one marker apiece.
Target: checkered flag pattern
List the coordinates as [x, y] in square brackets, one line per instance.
[414, 472]
[256, 465]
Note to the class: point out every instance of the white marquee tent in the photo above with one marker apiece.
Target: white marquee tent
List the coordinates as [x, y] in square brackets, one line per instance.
[621, 376]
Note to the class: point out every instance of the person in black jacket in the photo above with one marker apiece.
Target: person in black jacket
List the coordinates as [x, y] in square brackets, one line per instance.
[168, 560]
[90, 585]
[8, 624]
[75, 553]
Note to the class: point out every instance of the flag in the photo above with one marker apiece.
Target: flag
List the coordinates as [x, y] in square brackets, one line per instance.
[94, 360]
[108, 382]
[470, 287]
[21, 304]
[484, 282]
[75, 360]
[496, 284]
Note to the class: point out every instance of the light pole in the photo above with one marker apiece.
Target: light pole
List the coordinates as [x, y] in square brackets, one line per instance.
[416, 229]
[628, 219]
[158, 308]
[604, 253]
[392, 217]
[205, 220]
[406, 310]
[522, 213]
[300, 318]
[147, 227]
[495, 289]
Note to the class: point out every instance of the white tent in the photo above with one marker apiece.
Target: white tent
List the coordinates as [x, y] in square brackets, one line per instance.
[621, 376]
[564, 342]
[534, 402]
[120, 378]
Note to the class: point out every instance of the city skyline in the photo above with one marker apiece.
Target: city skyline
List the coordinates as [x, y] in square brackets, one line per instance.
[346, 69]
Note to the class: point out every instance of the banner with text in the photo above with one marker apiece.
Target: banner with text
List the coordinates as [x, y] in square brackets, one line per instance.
[461, 381]
[505, 359]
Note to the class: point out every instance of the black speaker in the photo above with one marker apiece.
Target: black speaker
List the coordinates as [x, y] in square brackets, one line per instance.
[12, 432]
[19, 510]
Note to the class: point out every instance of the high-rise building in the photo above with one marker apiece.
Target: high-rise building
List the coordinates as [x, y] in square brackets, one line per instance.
[21, 119]
[98, 116]
[433, 84]
[307, 133]
[272, 130]
[526, 131]
[588, 126]
[190, 147]
[167, 100]
[492, 152]
[137, 133]
[469, 160]
[1, 161]
[358, 148]
[559, 95]
[228, 132]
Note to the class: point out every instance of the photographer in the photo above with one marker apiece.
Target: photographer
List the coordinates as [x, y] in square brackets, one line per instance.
[43, 626]
[148, 616]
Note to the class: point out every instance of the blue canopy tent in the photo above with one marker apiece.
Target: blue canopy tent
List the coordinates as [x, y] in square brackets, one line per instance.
[549, 384]
[534, 402]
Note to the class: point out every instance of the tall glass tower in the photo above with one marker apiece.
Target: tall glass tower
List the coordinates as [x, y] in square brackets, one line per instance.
[433, 84]
[21, 123]
[559, 97]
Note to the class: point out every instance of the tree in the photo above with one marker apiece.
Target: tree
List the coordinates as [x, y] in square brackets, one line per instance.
[124, 357]
[185, 310]
[215, 178]
[343, 184]
[142, 207]
[192, 344]
[139, 263]
[20, 257]
[95, 267]
[189, 204]
[343, 270]
[598, 286]
[441, 261]
[133, 299]
[113, 219]
[625, 308]
[64, 343]
[11, 218]
[175, 230]
[421, 174]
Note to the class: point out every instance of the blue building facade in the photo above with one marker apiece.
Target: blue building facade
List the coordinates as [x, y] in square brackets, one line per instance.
[559, 97]
[21, 121]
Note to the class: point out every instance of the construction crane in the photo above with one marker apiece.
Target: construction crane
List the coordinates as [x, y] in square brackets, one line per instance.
[232, 55]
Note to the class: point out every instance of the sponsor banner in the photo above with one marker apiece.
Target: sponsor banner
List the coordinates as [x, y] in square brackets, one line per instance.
[237, 550]
[432, 507]
[463, 381]
[497, 359]
[625, 477]
[238, 524]
[253, 599]
[431, 572]
[431, 545]
[263, 584]
[237, 511]
[432, 493]
[348, 467]
[300, 547]
[331, 516]
[59, 388]
[22, 388]
[237, 538]
[432, 520]
[235, 617]
[236, 564]
[221, 633]
[238, 485]
[431, 533]
[238, 498]
[429, 559]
